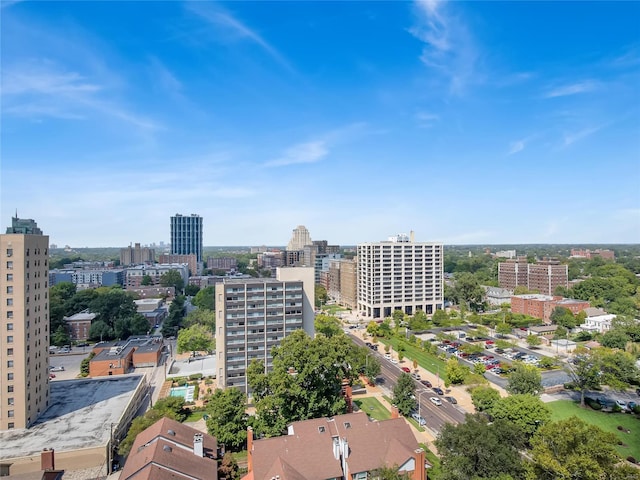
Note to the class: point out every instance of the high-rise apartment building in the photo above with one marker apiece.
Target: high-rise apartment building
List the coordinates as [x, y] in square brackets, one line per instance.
[343, 282]
[254, 315]
[24, 324]
[299, 238]
[400, 274]
[186, 235]
[542, 277]
[137, 255]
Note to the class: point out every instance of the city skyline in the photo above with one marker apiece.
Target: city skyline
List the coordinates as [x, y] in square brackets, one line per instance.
[461, 121]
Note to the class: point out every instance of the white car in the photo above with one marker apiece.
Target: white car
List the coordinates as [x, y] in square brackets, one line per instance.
[436, 401]
[387, 356]
[622, 405]
[394, 360]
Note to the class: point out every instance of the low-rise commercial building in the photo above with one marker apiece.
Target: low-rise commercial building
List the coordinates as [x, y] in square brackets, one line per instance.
[121, 356]
[542, 306]
[135, 275]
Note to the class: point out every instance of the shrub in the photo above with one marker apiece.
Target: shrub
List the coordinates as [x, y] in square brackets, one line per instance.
[208, 381]
[182, 382]
[195, 376]
[592, 403]
[636, 409]
[196, 392]
[616, 408]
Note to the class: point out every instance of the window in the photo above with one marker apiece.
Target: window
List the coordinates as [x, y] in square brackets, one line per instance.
[9, 413]
[9, 326]
[10, 314]
[9, 363]
[10, 425]
[9, 252]
[9, 265]
[9, 376]
[9, 302]
[10, 400]
[9, 351]
[10, 289]
[10, 389]
[9, 277]
[9, 338]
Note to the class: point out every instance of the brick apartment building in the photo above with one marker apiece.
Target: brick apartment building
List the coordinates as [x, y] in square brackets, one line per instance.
[190, 259]
[542, 306]
[589, 254]
[543, 277]
[222, 263]
[78, 325]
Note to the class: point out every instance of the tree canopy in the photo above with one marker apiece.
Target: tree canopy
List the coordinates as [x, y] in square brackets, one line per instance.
[525, 379]
[305, 381]
[196, 338]
[527, 412]
[484, 397]
[328, 325]
[227, 418]
[172, 278]
[404, 394]
[205, 299]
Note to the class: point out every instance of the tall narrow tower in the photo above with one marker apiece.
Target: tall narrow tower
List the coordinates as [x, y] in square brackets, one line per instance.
[24, 324]
[186, 235]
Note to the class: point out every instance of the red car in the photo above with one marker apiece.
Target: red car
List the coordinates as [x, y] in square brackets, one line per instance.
[406, 369]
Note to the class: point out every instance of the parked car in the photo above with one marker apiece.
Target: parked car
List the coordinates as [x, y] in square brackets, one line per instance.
[416, 376]
[426, 383]
[387, 356]
[406, 369]
[394, 360]
[436, 401]
[621, 404]
[52, 375]
[438, 390]
[421, 421]
[57, 369]
[451, 400]
[631, 405]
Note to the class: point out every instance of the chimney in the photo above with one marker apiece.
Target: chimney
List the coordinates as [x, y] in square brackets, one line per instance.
[198, 446]
[47, 460]
[394, 412]
[421, 471]
[249, 449]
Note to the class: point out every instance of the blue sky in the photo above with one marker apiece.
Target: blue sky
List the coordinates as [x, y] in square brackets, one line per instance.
[467, 122]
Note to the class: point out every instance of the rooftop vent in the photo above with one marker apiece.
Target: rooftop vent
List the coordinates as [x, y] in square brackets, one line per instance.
[166, 448]
[171, 432]
[321, 429]
[347, 425]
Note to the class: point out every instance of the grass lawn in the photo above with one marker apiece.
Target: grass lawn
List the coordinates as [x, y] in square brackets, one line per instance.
[425, 360]
[373, 408]
[195, 416]
[332, 309]
[608, 422]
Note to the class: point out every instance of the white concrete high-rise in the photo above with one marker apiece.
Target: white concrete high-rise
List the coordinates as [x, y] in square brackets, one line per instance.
[299, 239]
[400, 274]
[24, 324]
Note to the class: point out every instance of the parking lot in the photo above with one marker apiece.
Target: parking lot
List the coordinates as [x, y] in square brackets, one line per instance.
[69, 361]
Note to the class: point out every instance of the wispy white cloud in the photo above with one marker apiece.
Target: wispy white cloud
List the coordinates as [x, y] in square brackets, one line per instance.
[448, 48]
[222, 19]
[571, 89]
[426, 119]
[164, 77]
[570, 138]
[40, 89]
[309, 152]
[516, 147]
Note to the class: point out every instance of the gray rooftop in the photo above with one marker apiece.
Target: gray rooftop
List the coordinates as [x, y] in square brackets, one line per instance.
[79, 416]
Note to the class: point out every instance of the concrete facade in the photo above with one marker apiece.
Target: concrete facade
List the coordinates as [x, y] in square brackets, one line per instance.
[24, 324]
[191, 260]
[400, 275]
[136, 255]
[253, 315]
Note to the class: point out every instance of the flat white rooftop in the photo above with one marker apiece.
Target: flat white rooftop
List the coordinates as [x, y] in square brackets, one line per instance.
[79, 416]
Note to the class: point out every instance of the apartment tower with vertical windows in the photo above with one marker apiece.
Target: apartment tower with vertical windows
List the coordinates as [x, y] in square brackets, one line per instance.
[254, 315]
[186, 235]
[400, 274]
[24, 324]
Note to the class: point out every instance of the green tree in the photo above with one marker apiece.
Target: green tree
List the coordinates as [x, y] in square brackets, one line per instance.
[172, 278]
[563, 317]
[404, 394]
[321, 295]
[60, 337]
[440, 318]
[146, 281]
[546, 362]
[479, 369]
[84, 365]
[196, 338]
[191, 290]
[484, 397]
[503, 329]
[584, 373]
[572, 449]
[419, 321]
[304, 382]
[456, 372]
[389, 473]
[398, 317]
[527, 412]
[525, 379]
[615, 339]
[99, 330]
[328, 325]
[372, 368]
[200, 316]
[533, 340]
[479, 450]
[227, 418]
[205, 299]
[468, 292]
[110, 305]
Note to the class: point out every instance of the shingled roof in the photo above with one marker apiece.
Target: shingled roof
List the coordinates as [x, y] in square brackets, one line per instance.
[311, 450]
[165, 451]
